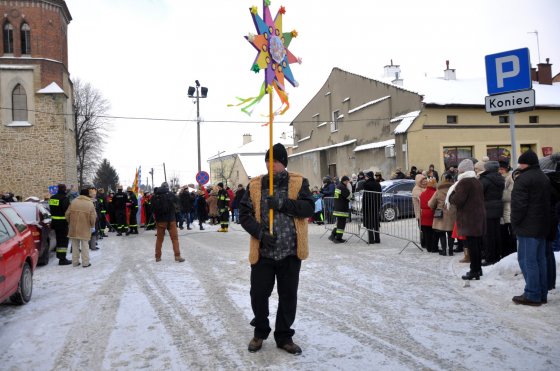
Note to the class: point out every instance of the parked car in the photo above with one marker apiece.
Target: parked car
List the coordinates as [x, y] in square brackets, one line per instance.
[396, 200]
[38, 219]
[18, 257]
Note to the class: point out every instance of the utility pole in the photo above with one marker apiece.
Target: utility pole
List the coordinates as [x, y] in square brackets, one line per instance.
[152, 174]
[199, 94]
[538, 45]
[164, 173]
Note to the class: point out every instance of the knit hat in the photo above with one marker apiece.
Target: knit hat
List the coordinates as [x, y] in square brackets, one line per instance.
[279, 153]
[491, 166]
[465, 165]
[221, 185]
[528, 158]
[369, 174]
[344, 178]
[479, 167]
[163, 185]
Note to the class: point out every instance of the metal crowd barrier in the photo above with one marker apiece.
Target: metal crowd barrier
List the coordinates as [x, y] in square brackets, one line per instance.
[388, 213]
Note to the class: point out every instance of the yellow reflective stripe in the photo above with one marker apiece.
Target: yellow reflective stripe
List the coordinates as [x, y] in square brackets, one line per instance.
[54, 202]
[61, 249]
[58, 217]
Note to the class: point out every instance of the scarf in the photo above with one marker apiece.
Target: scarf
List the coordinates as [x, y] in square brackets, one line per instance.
[466, 174]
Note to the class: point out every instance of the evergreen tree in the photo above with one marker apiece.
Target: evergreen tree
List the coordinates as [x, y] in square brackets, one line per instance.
[106, 176]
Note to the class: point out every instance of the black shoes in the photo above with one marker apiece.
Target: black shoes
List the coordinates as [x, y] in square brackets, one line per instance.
[291, 348]
[64, 262]
[89, 265]
[255, 345]
[521, 299]
[119, 234]
[470, 275]
[331, 238]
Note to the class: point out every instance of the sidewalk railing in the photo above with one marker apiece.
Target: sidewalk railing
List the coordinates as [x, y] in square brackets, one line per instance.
[390, 214]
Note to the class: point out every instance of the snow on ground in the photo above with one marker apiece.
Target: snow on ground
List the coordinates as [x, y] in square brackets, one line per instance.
[360, 307]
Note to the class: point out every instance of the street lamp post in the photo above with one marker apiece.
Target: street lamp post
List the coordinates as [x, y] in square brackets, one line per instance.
[202, 93]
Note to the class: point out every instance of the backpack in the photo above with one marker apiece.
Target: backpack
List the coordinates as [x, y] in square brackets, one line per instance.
[162, 205]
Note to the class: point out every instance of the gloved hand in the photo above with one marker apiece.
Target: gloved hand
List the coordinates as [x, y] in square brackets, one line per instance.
[268, 240]
[275, 203]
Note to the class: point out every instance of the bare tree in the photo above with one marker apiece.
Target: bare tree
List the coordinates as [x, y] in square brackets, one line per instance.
[224, 170]
[90, 123]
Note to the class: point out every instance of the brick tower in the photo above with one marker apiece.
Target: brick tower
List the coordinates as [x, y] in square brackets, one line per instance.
[37, 144]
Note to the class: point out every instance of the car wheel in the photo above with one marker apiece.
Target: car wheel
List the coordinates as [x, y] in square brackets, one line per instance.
[389, 213]
[25, 287]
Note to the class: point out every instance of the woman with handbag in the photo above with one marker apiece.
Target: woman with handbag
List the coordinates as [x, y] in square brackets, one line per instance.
[444, 218]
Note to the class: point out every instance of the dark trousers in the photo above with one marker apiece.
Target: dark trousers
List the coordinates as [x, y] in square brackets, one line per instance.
[429, 238]
[120, 222]
[492, 240]
[340, 225]
[224, 218]
[133, 221]
[61, 232]
[445, 240]
[474, 244]
[509, 242]
[550, 266]
[263, 274]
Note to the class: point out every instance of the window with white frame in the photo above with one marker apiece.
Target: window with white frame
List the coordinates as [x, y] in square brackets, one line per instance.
[19, 104]
[8, 34]
[335, 120]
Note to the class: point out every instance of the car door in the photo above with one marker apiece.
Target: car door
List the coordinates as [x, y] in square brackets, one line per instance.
[15, 257]
[8, 250]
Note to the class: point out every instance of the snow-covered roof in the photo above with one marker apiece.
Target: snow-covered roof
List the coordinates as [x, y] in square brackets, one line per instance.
[368, 104]
[52, 88]
[405, 121]
[438, 91]
[254, 165]
[385, 143]
[254, 147]
[326, 147]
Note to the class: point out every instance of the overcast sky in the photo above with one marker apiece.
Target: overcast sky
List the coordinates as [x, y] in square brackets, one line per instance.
[142, 55]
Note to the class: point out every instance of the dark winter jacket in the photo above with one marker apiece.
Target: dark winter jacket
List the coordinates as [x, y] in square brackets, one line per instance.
[328, 189]
[164, 203]
[371, 204]
[238, 197]
[185, 201]
[468, 198]
[119, 201]
[493, 184]
[341, 200]
[201, 208]
[530, 203]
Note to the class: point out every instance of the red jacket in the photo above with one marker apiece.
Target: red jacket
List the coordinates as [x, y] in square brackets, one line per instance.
[427, 214]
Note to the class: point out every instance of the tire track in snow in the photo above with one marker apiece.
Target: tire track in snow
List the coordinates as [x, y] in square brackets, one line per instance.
[87, 340]
[194, 344]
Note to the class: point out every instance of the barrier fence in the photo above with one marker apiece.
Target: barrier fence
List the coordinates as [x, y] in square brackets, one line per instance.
[387, 213]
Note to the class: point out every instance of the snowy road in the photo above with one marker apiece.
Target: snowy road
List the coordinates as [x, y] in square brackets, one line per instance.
[360, 307]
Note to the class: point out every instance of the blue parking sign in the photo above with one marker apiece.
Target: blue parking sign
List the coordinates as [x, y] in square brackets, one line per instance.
[508, 71]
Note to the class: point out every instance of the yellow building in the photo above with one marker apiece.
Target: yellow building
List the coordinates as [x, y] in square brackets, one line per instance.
[453, 125]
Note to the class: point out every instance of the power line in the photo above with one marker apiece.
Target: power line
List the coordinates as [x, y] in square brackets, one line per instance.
[208, 121]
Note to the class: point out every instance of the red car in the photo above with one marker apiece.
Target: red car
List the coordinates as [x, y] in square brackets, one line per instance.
[38, 219]
[18, 257]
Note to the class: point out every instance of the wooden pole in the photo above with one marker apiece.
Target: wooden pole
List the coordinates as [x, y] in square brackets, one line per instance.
[270, 159]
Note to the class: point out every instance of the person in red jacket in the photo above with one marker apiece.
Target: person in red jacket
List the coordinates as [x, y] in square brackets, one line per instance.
[427, 216]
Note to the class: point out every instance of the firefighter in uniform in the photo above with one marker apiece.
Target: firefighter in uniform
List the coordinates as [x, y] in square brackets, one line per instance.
[119, 203]
[102, 211]
[342, 197]
[133, 220]
[58, 204]
[223, 210]
[148, 212]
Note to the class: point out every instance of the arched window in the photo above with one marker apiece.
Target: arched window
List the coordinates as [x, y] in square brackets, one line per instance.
[19, 104]
[8, 38]
[25, 39]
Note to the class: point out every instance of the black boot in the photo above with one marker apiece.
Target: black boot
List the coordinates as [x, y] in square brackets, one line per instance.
[451, 250]
[371, 237]
[470, 275]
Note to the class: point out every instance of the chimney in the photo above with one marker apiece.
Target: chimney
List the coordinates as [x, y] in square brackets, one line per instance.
[449, 74]
[247, 138]
[534, 76]
[397, 81]
[391, 69]
[544, 73]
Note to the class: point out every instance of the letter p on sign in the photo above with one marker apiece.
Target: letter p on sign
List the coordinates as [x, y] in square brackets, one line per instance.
[508, 71]
[502, 73]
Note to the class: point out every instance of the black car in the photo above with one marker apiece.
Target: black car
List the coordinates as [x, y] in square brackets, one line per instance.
[396, 200]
